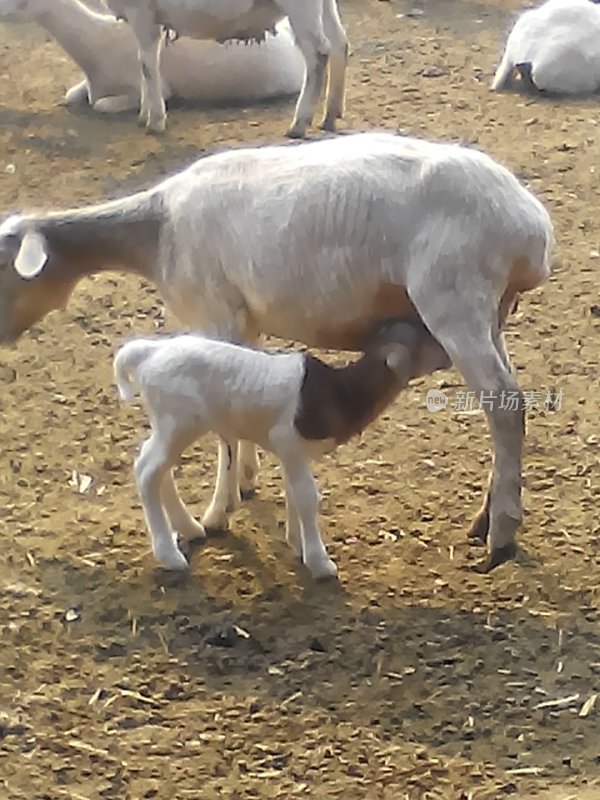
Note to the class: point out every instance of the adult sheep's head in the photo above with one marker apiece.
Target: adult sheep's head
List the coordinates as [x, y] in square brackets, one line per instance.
[28, 289]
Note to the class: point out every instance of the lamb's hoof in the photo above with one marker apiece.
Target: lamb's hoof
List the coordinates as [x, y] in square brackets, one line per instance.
[294, 542]
[329, 123]
[322, 569]
[498, 556]
[155, 130]
[191, 531]
[215, 519]
[173, 560]
[297, 131]
[480, 527]
[249, 493]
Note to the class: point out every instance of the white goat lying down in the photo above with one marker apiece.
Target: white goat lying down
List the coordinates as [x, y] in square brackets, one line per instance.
[191, 70]
[317, 242]
[316, 26]
[289, 403]
[555, 48]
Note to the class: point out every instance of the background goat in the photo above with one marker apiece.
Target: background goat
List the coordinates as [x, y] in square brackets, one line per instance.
[191, 70]
[316, 26]
[554, 48]
[318, 242]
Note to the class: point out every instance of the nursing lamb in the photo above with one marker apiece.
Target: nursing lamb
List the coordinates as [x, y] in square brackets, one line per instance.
[289, 403]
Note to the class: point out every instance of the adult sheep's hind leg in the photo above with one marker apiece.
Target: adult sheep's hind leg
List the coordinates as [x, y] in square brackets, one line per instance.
[153, 112]
[466, 333]
[480, 526]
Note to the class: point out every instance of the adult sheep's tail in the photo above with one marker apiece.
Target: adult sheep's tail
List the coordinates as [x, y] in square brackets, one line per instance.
[126, 364]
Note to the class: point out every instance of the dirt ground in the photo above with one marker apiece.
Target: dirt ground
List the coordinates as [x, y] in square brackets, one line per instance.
[415, 676]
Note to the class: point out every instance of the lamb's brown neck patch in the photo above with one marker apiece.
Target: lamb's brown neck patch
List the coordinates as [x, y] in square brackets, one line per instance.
[338, 403]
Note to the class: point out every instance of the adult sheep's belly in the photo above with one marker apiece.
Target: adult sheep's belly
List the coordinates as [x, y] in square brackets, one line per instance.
[219, 24]
[337, 322]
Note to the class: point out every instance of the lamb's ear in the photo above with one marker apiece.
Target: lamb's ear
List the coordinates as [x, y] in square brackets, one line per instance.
[32, 256]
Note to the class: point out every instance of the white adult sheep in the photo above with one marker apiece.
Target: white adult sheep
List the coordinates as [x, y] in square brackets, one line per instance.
[317, 242]
[289, 403]
[555, 48]
[191, 70]
[316, 25]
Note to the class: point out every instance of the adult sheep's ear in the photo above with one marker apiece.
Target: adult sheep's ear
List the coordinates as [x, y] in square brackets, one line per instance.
[32, 256]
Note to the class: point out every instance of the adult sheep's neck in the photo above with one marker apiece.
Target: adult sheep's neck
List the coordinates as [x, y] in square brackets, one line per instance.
[79, 30]
[120, 235]
[338, 403]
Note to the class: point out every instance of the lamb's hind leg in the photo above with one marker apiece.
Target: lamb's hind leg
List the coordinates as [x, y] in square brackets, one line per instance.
[151, 467]
[180, 518]
[226, 496]
[466, 333]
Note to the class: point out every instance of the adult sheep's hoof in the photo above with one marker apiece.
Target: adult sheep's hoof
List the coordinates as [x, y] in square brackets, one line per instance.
[498, 556]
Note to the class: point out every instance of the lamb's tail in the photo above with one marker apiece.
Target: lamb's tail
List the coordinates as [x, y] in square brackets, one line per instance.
[126, 365]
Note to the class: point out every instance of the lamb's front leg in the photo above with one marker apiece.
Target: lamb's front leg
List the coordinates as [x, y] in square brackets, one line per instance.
[303, 495]
[293, 526]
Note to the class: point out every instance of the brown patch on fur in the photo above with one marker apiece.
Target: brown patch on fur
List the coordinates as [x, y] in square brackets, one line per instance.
[338, 403]
[390, 300]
